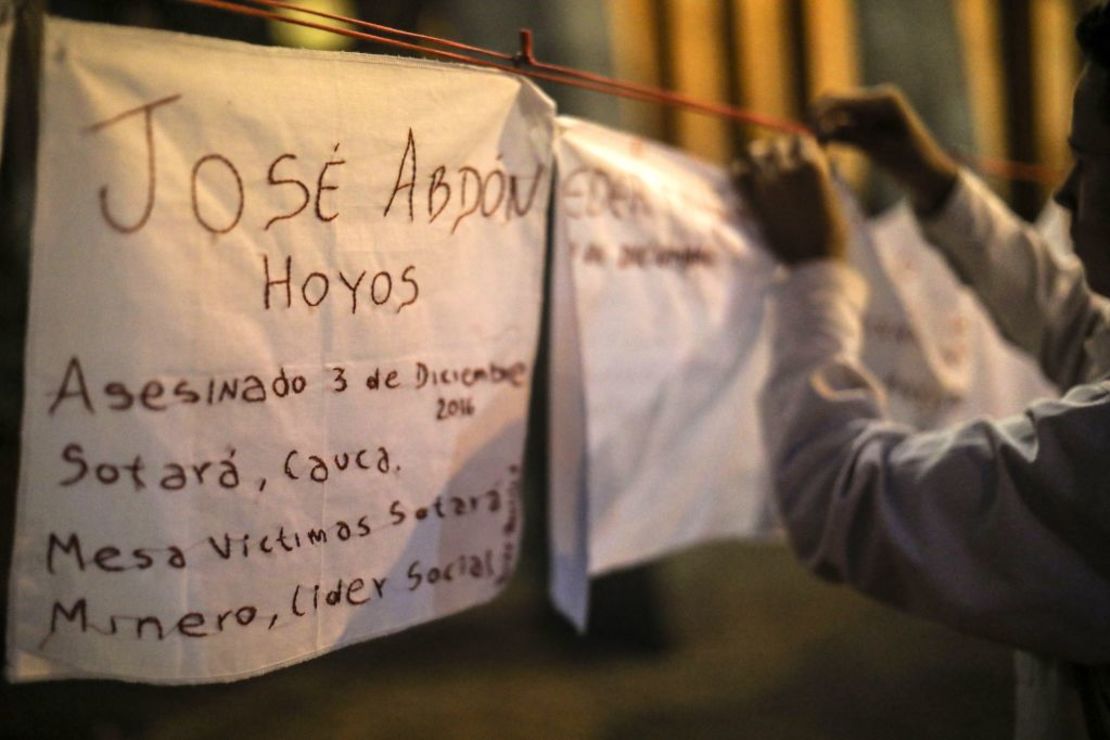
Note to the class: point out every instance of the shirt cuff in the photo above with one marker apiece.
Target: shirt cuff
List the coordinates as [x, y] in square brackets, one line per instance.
[962, 213]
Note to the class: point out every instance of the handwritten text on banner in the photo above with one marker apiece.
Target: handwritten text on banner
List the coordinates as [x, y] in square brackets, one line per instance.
[283, 320]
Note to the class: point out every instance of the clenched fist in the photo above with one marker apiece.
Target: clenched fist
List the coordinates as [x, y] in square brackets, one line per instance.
[787, 185]
[880, 123]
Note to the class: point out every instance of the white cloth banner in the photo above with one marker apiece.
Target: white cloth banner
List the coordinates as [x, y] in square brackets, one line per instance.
[927, 338]
[658, 354]
[284, 310]
[657, 298]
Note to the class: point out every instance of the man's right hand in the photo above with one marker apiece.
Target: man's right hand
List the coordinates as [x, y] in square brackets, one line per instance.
[879, 122]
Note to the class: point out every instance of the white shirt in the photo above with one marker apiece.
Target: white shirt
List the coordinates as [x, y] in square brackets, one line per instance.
[999, 528]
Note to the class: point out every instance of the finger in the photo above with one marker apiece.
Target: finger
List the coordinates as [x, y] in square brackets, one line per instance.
[798, 146]
[746, 167]
[781, 155]
[842, 122]
[836, 121]
[856, 117]
[805, 153]
[759, 150]
[762, 161]
[823, 115]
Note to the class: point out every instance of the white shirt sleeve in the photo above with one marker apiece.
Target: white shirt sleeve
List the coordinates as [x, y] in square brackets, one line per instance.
[999, 529]
[1038, 299]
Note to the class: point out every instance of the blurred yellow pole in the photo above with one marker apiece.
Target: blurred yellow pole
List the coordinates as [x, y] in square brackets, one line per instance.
[1055, 66]
[636, 49]
[833, 43]
[833, 64]
[764, 59]
[698, 59]
[980, 34]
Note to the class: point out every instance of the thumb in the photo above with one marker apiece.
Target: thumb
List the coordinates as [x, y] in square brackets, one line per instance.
[856, 118]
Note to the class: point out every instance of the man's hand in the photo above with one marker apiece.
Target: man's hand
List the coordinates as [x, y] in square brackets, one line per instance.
[880, 123]
[787, 185]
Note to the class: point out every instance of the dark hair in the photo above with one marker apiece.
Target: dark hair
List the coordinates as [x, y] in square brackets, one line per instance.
[1093, 34]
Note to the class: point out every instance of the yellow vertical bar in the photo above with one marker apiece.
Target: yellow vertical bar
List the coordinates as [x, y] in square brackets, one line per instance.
[980, 35]
[636, 50]
[1055, 66]
[765, 60]
[833, 43]
[698, 58]
[833, 63]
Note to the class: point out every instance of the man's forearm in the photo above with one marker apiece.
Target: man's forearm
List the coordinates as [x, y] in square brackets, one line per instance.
[1039, 301]
[974, 526]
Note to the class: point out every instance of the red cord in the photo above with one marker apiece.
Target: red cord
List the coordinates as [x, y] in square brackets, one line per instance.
[516, 64]
[385, 29]
[525, 64]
